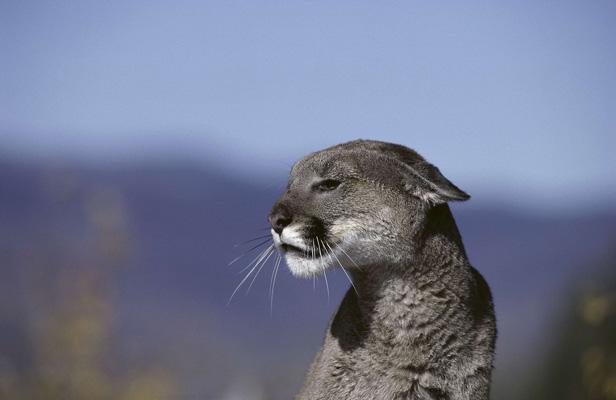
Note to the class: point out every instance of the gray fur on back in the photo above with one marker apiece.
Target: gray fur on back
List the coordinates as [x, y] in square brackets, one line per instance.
[420, 324]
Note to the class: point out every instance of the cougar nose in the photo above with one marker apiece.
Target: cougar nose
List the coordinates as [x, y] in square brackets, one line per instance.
[279, 218]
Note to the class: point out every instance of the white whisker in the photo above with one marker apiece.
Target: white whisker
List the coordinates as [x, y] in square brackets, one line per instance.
[259, 270]
[267, 251]
[248, 251]
[252, 240]
[348, 256]
[326, 285]
[313, 249]
[343, 269]
[324, 272]
[275, 274]
[257, 258]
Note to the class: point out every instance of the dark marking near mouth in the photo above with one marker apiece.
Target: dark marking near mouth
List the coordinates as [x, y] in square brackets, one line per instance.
[289, 248]
[317, 229]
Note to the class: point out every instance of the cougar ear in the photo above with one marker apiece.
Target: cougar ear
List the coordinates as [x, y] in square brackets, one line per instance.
[427, 183]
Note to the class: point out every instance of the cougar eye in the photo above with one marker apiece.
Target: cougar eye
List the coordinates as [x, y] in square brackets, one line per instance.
[326, 185]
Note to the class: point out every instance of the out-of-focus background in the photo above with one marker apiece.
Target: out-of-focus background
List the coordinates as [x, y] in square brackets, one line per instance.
[141, 142]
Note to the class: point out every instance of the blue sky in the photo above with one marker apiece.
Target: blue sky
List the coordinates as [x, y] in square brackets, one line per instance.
[517, 96]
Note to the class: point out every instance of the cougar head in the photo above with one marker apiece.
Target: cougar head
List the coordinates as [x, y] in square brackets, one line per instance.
[356, 204]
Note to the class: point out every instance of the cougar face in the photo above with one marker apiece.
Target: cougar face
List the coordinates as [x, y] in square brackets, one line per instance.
[353, 205]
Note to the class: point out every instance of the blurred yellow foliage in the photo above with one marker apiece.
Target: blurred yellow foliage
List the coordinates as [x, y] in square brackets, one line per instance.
[151, 384]
[595, 308]
[71, 323]
[598, 362]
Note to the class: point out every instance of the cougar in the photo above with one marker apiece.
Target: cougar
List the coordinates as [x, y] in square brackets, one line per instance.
[418, 320]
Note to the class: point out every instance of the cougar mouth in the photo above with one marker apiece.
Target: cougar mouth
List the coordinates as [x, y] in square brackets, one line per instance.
[307, 254]
[294, 243]
[289, 248]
